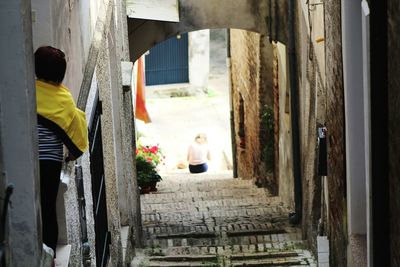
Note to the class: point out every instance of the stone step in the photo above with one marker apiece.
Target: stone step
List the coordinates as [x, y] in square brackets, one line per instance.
[269, 258]
[205, 185]
[173, 197]
[168, 247]
[208, 176]
[207, 204]
[270, 262]
[236, 230]
[215, 217]
[182, 264]
[185, 258]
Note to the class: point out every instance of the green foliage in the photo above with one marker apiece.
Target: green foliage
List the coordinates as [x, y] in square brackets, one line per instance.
[146, 171]
[268, 123]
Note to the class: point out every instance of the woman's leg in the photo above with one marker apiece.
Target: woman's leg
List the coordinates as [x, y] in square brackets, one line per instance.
[49, 181]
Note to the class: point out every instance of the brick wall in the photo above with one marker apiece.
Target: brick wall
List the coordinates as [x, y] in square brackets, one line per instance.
[394, 128]
[249, 84]
[336, 141]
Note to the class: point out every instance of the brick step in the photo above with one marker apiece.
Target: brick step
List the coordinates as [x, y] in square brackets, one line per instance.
[239, 228]
[182, 264]
[169, 180]
[270, 262]
[276, 233]
[185, 258]
[202, 186]
[216, 204]
[204, 246]
[246, 215]
[173, 197]
[252, 258]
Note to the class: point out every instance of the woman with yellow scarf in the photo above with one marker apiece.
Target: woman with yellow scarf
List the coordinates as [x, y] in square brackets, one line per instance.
[59, 122]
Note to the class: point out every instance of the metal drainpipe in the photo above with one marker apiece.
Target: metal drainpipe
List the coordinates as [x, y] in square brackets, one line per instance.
[296, 216]
[232, 115]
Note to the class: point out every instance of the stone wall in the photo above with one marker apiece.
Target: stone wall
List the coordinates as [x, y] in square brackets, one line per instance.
[337, 228]
[245, 47]
[394, 128]
[252, 58]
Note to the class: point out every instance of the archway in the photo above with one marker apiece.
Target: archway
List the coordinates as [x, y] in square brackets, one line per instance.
[272, 19]
[260, 16]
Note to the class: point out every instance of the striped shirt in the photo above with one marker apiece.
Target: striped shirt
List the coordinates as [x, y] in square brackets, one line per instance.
[50, 145]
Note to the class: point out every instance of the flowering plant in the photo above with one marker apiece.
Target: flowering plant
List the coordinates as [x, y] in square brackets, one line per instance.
[151, 154]
[146, 172]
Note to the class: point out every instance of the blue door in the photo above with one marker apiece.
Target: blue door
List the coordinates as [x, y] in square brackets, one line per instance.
[168, 62]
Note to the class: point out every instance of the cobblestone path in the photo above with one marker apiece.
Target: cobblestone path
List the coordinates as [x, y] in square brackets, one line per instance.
[214, 220]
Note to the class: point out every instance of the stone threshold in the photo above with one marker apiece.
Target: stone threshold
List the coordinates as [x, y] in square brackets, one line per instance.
[63, 254]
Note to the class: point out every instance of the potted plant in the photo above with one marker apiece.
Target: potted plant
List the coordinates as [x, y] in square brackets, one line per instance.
[147, 160]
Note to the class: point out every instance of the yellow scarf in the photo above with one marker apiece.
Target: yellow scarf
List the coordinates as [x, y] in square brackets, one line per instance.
[56, 110]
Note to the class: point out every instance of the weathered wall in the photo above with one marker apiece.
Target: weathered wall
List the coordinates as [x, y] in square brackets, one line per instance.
[199, 58]
[337, 228]
[308, 72]
[394, 128]
[251, 89]
[285, 160]
[266, 173]
[245, 47]
[105, 72]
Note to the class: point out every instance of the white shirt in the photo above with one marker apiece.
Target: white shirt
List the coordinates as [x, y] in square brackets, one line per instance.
[198, 153]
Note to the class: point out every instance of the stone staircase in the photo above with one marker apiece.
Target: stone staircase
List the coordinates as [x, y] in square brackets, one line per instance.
[215, 220]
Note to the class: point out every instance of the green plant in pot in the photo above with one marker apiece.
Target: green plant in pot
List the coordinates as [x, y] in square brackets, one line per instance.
[146, 174]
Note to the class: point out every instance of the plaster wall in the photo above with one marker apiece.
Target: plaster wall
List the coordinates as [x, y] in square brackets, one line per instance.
[354, 113]
[285, 178]
[18, 134]
[199, 58]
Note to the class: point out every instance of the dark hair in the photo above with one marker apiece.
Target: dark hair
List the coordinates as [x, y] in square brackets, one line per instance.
[50, 64]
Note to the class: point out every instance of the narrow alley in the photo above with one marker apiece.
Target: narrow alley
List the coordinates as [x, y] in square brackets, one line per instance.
[215, 220]
[298, 115]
